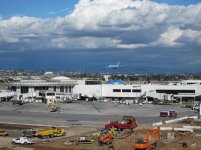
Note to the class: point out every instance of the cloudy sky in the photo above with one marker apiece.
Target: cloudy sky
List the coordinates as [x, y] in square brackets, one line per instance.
[87, 35]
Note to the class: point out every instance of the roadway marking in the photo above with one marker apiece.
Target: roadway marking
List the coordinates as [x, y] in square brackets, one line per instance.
[95, 107]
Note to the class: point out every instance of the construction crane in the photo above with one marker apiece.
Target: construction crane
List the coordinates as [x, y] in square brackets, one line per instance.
[150, 140]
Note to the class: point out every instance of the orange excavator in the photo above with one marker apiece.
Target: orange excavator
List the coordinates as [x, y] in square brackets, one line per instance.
[105, 139]
[150, 140]
[106, 136]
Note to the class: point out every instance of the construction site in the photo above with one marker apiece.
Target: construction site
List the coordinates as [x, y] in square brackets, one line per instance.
[100, 75]
[98, 125]
[171, 135]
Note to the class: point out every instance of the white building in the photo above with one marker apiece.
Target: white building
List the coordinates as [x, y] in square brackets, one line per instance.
[61, 86]
[48, 73]
[181, 91]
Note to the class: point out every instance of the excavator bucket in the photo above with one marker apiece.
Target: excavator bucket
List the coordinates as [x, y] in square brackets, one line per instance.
[146, 143]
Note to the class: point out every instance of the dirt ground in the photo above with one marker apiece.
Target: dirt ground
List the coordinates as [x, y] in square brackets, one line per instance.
[121, 140]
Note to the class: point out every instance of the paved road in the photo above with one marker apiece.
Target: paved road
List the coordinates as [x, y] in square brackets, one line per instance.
[85, 113]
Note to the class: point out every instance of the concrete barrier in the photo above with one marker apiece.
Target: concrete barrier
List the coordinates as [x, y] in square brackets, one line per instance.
[192, 127]
[176, 129]
[183, 129]
[157, 124]
[166, 128]
[172, 120]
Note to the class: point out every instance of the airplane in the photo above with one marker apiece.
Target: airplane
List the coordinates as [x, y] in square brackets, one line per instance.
[115, 66]
[18, 99]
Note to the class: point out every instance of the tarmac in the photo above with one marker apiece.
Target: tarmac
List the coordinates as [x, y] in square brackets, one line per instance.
[85, 113]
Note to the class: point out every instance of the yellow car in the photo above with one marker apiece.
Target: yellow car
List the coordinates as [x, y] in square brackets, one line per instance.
[3, 133]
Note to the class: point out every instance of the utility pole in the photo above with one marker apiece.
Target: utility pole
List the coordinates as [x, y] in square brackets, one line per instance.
[199, 112]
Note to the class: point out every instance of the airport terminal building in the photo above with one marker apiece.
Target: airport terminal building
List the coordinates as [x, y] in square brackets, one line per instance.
[188, 90]
[60, 87]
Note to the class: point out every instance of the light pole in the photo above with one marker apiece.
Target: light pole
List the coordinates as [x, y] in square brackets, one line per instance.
[199, 112]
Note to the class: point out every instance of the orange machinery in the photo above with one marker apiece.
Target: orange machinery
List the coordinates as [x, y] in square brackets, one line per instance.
[105, 139]
[106, 136]
[150, 140]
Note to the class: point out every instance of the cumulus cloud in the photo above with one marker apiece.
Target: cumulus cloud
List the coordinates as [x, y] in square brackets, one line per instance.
[169, 38]
[83, 42]
[125, 24]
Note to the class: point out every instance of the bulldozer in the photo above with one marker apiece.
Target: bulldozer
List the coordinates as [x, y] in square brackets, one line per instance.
[149, 142]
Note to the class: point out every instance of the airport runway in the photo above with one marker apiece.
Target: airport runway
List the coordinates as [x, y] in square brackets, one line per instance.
[85, 113]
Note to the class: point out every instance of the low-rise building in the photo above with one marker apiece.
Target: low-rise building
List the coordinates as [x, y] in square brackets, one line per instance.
[60, 86]
[181, 91]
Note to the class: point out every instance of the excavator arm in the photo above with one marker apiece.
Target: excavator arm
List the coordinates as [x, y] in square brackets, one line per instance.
[147, 143]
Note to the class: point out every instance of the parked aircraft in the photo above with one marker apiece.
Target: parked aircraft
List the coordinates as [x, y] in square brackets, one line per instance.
[115, 66]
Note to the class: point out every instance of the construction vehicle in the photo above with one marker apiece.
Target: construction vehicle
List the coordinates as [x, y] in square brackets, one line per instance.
[129, 122]
[3, 133]
[52, 132]
[29, 133]
[55, 108]
[105, 137]
[150, 140]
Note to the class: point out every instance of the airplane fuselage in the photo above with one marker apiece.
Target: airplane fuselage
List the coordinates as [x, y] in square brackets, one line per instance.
[113, 66]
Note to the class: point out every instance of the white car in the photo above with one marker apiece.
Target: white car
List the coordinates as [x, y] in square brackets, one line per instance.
[22, 140]
[196, 107]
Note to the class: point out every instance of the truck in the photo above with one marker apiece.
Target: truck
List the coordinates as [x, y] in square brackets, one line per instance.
[51, 132]
[170, 113]
[29, 133]
[22, 140]
[129, 122]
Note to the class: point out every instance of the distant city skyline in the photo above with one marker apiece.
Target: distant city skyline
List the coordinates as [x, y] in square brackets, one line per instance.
[149, 36]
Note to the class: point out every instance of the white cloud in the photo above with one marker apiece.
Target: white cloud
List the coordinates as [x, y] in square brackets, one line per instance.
[88, 14]
[169, 37]
[193, 36]
[168, 23]
[130, 46]
[83, 42]
[127, 24]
